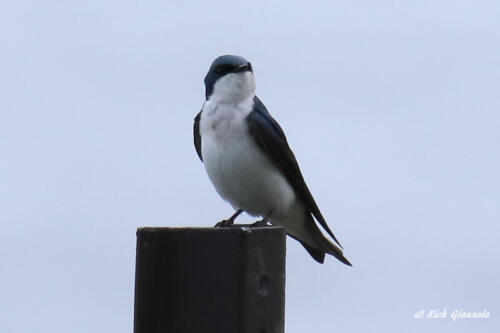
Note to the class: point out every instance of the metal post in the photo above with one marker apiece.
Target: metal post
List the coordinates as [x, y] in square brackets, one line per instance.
[207, 280]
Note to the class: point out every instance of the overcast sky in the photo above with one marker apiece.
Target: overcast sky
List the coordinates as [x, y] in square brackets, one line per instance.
[392, 109]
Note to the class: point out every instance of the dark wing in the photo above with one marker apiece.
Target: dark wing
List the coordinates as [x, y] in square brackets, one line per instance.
[197, 137]
[268, 134]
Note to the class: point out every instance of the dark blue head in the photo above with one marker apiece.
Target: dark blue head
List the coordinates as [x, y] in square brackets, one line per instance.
[223, 65]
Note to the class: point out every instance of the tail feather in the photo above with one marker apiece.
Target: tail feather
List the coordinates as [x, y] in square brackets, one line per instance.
[339, 255]
[301, 226]
[317, 255]
[323, 244]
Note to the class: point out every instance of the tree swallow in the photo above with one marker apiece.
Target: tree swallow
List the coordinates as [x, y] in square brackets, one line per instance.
[248, 159]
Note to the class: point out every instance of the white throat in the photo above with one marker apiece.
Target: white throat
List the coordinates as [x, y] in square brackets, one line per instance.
[234, 88]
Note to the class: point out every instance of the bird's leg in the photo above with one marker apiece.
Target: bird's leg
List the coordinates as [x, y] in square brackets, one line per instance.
[230, 221]
[261, 223]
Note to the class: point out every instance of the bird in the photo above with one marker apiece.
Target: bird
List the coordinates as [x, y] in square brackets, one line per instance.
[250, 163]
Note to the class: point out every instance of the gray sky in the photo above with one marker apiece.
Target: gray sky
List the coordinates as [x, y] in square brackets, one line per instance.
[392, 109]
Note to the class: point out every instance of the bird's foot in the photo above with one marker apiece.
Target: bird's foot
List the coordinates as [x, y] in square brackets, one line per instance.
[260, 224]
[224, 224]
[229, 222]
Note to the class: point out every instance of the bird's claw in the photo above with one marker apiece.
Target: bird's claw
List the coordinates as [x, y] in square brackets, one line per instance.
[224, 224]
[230, 221]
[259, 224]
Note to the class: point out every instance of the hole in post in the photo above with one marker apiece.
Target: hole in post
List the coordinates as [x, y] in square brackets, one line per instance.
[263, 285]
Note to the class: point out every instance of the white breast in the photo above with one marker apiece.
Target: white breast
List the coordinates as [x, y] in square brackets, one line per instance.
[240, 172]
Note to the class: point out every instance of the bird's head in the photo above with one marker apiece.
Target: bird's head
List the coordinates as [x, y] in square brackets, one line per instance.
[229, 79]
